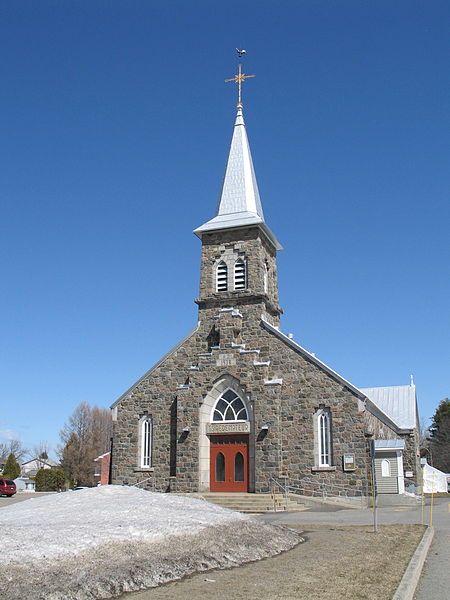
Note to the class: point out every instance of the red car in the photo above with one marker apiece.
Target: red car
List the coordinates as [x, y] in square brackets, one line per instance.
[7, 487]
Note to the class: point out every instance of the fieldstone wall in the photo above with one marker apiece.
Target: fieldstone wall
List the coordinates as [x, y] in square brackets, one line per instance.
[252, 245]
[283, 388]
[283, 391]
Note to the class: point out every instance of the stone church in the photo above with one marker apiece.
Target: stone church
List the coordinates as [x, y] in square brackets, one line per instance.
[238, 405]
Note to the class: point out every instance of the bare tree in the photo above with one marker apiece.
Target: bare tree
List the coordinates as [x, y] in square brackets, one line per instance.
[85, 435]
[12, 447]
[39, 452]
[424, 433]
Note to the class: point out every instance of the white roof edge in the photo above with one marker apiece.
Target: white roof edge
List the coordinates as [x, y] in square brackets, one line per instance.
[314, 359]
[102, 455]
[391, 444]
[156, 365]
[47, 461]
[224, 227]
[371, 406]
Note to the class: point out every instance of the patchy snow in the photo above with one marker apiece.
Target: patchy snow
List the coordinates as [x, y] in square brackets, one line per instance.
[101, 542]
[71, 522]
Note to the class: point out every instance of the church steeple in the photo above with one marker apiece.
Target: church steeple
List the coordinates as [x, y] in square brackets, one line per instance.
[239, 250]
[239, 203]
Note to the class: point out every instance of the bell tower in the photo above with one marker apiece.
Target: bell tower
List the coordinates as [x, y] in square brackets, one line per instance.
[238, 265]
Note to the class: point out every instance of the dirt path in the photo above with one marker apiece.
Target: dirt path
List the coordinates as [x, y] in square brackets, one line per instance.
[336, 563]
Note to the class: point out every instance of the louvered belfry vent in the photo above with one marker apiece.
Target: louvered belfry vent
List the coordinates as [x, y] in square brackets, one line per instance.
[240, 282]
[222, 277]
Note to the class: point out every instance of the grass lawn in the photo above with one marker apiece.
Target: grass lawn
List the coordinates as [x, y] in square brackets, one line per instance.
[335, 563]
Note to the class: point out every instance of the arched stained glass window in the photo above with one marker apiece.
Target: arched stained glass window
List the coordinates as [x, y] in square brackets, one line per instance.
[229, 407]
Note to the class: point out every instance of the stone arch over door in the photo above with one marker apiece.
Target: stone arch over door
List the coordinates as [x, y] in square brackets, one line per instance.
[220, 386]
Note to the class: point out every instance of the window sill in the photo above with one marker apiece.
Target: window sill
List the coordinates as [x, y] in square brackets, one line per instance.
[322, 469]
[143, 469]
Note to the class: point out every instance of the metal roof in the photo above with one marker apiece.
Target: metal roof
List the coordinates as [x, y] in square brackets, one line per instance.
[398, 402]
[389, 444]
[239, 204]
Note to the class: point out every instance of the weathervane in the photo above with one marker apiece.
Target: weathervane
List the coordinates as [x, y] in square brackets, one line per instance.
[240, 77]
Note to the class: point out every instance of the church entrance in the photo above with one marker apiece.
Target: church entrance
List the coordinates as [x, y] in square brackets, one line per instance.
[229, 463]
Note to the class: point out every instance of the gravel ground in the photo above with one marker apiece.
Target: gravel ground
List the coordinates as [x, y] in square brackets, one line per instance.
[335, 563]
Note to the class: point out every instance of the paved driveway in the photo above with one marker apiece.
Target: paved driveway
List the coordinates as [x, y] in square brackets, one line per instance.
[4, 501]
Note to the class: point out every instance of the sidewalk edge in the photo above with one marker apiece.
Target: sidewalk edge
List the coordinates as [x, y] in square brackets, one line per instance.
[411, 576]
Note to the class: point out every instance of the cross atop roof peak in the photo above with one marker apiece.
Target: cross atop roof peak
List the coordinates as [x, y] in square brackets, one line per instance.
[240, 77]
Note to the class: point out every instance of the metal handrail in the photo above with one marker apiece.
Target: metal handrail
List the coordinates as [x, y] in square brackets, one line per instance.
[284, 488]
[152, 479]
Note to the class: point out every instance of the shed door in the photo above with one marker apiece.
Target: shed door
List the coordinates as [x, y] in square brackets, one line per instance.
[386, 472]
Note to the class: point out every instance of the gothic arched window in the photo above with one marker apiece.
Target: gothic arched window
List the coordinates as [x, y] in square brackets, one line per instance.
[266, 277]
[229, 407]
[385, 468]
[240, 274]
[324, 437]
[221, 277]
[146, 435]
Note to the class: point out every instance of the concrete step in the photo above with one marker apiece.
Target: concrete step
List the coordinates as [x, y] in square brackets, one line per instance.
[253, 503]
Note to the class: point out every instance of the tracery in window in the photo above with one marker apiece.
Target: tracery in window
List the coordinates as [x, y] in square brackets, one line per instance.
[229, 407]
[324, 438]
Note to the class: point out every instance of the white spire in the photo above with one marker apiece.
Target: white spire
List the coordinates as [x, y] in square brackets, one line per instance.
[239, 203]
[240, 190]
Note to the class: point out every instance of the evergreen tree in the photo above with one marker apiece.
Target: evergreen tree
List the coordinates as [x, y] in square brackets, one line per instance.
[440, 436]
[11, 470]
[50, 480]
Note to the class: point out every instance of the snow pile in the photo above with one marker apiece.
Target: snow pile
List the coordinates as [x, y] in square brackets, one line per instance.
[101, 542]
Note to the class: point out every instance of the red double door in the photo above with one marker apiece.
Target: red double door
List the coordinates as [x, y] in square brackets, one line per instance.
[229, 463]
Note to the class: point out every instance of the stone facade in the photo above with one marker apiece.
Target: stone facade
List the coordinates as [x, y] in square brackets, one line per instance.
[237, 346]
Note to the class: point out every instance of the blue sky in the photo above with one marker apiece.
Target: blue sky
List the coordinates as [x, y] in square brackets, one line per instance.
[115, 126]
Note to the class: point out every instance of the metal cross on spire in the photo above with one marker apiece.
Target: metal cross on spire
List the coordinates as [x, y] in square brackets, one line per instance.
[240, 77]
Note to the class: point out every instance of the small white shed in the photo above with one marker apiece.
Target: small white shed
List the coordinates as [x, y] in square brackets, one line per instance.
[389, 466]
